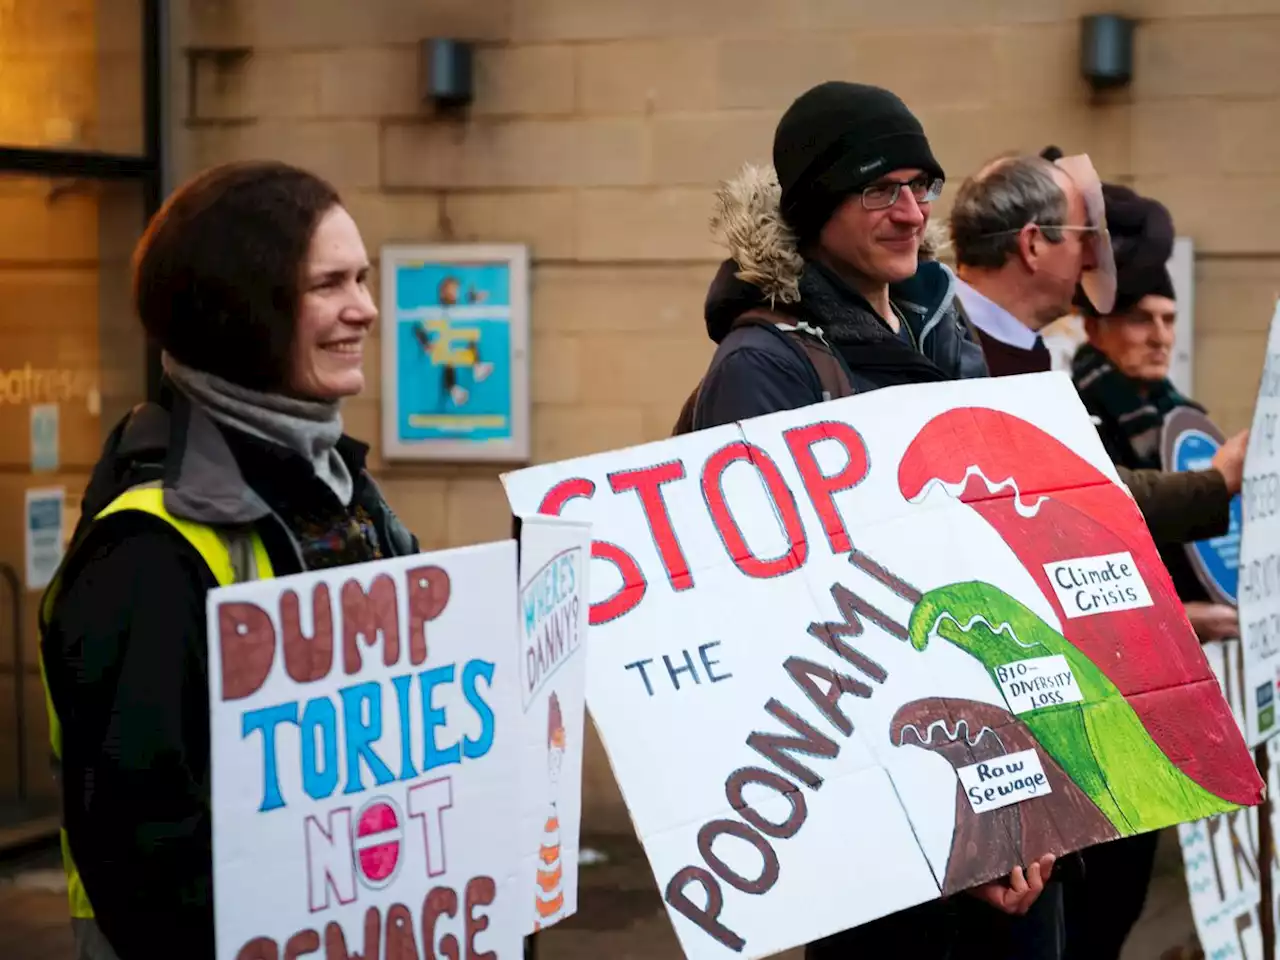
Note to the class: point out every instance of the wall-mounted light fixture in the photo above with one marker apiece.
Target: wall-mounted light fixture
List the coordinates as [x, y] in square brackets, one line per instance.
[446, 66]
[1106, 51]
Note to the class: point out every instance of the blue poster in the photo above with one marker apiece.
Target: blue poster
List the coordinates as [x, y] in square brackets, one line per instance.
[1216, 560]
[453, 333]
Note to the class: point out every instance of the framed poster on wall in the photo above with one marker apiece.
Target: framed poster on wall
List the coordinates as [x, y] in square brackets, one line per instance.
[455, 352]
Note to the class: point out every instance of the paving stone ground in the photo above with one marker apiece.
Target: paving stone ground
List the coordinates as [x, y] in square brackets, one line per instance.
[620, 916]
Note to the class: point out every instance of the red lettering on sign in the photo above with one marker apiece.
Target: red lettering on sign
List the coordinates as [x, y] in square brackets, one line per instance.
[379, 834]
[440, 901]
[633, 588]
[784, 505]
[301, 943]
[248, 643]
[647, 483]
[365, 614]
[708, 917]
[429, 592]
[307, 659]
[480, 893]
[822, 488]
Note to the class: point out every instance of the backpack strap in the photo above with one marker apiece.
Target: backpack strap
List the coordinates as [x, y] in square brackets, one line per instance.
[830, 369]
[834, 379]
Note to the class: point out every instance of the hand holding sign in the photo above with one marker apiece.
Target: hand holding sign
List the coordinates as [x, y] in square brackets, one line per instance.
[1213, 621]
[1229, 461]
[1020, 891]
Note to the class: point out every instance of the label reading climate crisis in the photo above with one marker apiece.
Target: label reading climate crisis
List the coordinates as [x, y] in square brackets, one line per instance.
[1038, 683]
[1088, 586]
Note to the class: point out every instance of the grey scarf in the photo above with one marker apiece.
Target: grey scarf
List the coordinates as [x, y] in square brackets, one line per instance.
[309, 428]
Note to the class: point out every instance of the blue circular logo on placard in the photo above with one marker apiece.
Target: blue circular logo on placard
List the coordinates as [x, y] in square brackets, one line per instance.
[1219, 557]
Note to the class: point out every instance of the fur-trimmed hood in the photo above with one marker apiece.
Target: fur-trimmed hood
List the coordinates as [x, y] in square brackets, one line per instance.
[764, 266]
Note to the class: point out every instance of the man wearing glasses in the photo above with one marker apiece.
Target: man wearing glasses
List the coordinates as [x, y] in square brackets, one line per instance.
[829, 290]
[833, 247]
[1023, 240]
[1023, 244]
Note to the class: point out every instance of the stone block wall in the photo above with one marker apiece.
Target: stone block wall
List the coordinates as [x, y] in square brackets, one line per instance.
[600, 128]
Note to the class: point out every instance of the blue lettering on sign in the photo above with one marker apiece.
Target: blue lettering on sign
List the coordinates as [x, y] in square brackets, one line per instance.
[341, 736]
[436, 717]
[266, 720]
[552, 587]
[474, 749]
[362, 734]
[320, 780]
[402, 685]
[1217, 558]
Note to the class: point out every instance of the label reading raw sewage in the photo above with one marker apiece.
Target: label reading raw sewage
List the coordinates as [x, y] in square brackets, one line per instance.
[1037, 683]
[1000, 781]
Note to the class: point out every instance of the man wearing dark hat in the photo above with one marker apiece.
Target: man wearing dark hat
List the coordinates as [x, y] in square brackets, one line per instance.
[832, 246]
[834, 251]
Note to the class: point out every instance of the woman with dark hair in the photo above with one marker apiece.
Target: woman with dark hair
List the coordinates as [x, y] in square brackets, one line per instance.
[252, 280]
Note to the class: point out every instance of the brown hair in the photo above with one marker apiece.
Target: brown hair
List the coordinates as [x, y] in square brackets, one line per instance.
[217, 274]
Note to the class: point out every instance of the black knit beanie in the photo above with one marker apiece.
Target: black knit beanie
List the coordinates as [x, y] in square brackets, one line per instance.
[836, 139]
[1142, 238]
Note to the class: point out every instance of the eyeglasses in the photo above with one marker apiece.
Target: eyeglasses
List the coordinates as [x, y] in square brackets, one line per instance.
[884, 194]
[1102, 232]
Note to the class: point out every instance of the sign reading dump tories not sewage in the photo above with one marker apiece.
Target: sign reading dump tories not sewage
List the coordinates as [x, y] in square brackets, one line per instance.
[397, 752]
[879, 634]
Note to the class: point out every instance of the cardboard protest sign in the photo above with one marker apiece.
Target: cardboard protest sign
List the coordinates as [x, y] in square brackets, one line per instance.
[920, 633]
[552, 613]
[1259, 592]
[381, 775]
[1188, 441]
[1221, 853]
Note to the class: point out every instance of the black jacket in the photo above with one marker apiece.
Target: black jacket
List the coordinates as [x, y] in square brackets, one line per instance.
[127, 664]
[757, 370]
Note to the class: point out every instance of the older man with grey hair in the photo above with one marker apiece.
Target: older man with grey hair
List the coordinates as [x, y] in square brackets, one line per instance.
[1022, 240]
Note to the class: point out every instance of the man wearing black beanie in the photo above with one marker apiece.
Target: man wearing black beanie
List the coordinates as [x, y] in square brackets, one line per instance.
[831, 289]
[826, 258]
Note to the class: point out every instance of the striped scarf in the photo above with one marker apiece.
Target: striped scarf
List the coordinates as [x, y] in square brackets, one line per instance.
[1127, 416]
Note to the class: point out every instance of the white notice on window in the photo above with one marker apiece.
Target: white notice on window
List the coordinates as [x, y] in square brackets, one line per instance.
[1002, 781]
[44, 540]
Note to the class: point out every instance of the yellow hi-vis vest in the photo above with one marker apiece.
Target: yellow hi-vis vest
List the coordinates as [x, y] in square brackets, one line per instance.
[232, 558]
